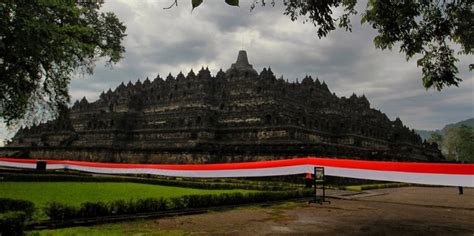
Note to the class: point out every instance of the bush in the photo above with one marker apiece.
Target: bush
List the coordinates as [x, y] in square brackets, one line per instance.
[59, 212]
[12, 222]
[17, 205]
[148, 205]
[56, 211]
[177, 203]
[121, 207]
[229, 199]
[13, 215]
[194, 201]
[94, 209]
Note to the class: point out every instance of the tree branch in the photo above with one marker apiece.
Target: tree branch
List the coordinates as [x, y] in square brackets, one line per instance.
[175, 3]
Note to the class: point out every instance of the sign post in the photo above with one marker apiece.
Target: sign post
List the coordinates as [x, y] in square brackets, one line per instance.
[319, 183]
[41, 165]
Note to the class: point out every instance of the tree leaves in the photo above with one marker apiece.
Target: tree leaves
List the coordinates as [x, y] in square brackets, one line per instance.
[438, 67]
[196, 3]
[42, 45]
[458, 144]
[425, 28]
[232, 2]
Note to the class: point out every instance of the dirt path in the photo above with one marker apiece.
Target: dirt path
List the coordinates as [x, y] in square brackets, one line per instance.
[401, 211]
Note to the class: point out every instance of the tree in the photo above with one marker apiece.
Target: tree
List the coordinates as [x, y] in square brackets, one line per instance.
[42, 43]
[466, 143]
[436, 138]
[459, 143]
[421, 27]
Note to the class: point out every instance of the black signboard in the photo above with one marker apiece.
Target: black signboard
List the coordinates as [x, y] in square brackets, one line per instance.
[319, 174]
[319, 183]
[41, 165]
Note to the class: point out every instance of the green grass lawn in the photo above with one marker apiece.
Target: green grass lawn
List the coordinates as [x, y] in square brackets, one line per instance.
[75, 193]
[375, 186]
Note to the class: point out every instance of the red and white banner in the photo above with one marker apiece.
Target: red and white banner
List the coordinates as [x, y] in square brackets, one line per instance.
[408, 172]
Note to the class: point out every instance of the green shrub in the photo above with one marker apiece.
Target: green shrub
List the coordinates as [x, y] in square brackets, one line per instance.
[12, 222]
[148, 205]
[229, 199]
[94, 209]
[13, 215]
[7, 204]
[56, 211]
[121, 207]
[196, 201]
[178, 203]
[59, 212]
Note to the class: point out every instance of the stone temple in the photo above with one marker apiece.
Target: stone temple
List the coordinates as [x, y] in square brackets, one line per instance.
[236, 115]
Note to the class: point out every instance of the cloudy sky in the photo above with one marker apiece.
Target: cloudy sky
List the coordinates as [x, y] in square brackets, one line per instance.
[162, 41]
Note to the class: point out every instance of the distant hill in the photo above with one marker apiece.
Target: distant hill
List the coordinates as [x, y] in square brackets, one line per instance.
[426, 134]
[468, 122]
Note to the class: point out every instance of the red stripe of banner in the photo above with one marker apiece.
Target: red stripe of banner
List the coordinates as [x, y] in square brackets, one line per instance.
[411, 167]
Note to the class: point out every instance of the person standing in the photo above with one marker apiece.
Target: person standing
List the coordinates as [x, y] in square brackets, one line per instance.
[308, 180]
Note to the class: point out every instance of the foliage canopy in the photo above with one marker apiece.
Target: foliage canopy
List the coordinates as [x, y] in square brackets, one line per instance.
[457, 143]
[42, 43]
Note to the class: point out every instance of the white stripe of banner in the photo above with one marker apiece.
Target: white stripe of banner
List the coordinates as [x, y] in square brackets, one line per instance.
[18, 165]
[395, 176]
